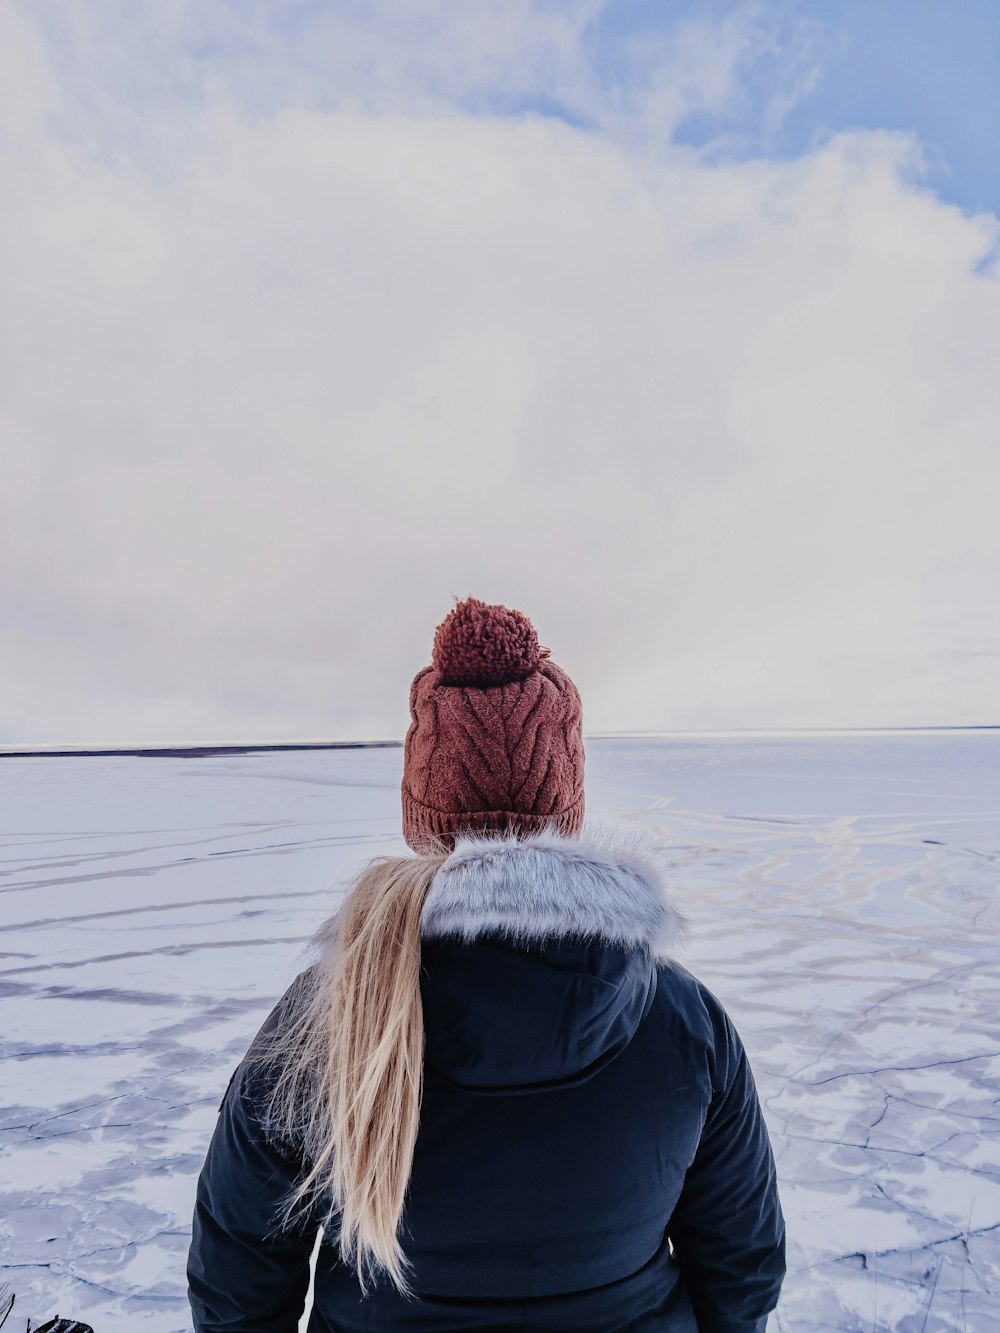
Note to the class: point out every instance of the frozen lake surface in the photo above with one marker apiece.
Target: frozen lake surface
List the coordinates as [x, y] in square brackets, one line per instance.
[843, 899]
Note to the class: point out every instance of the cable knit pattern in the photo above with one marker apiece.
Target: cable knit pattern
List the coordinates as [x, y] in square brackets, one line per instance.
[497, 756]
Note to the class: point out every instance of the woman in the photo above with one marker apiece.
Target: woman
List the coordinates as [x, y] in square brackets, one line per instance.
[496, 1091]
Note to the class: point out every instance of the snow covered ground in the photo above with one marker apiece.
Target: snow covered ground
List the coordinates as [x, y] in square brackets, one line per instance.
[843, 896]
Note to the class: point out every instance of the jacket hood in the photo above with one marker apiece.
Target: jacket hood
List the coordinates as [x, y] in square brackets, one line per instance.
[539, 953]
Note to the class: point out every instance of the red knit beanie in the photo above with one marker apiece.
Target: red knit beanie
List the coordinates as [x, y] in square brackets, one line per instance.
[496, 740]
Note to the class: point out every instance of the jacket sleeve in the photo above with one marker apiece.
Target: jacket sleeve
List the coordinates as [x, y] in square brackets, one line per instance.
[727, 1231]
[245, 1276]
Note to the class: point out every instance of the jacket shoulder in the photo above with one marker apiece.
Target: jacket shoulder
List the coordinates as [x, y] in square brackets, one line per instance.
[253, 1079]
[703, 1019]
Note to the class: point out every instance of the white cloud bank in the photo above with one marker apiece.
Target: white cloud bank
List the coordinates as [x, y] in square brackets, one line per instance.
[727, 433]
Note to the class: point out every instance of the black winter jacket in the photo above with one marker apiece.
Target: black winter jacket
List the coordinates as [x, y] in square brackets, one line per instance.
[591, 1153]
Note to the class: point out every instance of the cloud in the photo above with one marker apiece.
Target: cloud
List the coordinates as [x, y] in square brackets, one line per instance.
[725, 431]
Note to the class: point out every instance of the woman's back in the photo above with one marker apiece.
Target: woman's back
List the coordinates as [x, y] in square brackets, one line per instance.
[585, 1100]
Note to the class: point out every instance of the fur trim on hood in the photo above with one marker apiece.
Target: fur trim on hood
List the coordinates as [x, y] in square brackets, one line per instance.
[608, 882]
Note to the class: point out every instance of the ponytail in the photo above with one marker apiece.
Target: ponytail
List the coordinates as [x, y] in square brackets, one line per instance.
[347, 1066]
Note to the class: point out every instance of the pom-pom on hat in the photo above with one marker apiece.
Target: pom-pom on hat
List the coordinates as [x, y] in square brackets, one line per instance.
[495, 740]
[477, 644]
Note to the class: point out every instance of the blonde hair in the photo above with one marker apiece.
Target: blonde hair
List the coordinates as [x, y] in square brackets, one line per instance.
[346, 1065]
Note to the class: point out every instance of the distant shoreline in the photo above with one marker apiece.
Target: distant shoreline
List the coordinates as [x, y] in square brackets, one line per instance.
[199, 751]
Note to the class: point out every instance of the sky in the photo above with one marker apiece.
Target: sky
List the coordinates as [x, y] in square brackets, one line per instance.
[672, 325]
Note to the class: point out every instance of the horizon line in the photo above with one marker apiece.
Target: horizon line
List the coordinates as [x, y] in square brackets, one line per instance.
[198, 749]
